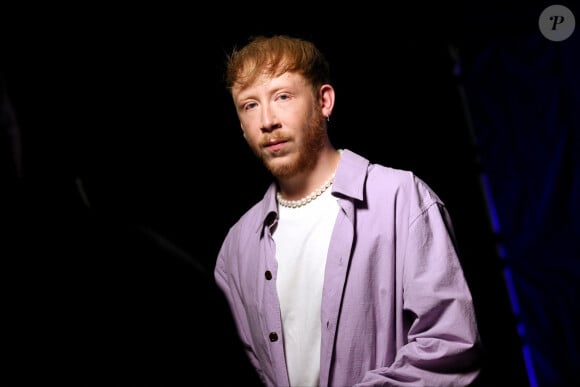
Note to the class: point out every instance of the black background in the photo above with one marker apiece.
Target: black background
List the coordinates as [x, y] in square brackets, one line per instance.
[134, 167]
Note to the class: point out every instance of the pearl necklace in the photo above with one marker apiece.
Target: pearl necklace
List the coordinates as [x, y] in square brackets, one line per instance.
[304, 201]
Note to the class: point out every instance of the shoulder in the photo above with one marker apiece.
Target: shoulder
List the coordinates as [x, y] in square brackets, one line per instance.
[403, 184]
[247, 221]
[369, 181]
[385, 177]
[401, 179]
[252, 220]
[355, 169]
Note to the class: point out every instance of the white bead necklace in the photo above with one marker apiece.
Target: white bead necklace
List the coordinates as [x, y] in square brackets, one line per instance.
[305, 200]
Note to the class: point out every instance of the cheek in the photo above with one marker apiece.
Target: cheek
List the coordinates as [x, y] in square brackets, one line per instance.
[247, 124]
[251, 137]
[250, 124]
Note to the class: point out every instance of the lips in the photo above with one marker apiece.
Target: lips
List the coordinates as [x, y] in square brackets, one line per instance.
[274, 143]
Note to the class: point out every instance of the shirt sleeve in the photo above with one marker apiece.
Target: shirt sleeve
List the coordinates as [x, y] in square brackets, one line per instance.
[442, 347]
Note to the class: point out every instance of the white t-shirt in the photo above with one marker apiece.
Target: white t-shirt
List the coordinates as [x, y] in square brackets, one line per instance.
[302, 237]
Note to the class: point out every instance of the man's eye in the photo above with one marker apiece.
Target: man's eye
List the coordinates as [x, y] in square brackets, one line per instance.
[249, 106]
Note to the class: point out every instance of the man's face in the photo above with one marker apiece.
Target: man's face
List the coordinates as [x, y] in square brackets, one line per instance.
[282, 122]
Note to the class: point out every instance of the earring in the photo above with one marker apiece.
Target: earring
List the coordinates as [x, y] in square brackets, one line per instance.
[327, 118]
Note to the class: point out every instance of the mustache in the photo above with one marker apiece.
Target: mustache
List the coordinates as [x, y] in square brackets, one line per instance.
[269, 139]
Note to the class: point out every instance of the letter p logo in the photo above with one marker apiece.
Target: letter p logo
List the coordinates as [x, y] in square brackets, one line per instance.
[556, 23]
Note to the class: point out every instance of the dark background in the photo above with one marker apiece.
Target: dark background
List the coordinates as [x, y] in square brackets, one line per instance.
[124, 166]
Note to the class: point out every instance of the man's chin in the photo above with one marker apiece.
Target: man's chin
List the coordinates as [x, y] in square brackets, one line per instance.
[279, 167]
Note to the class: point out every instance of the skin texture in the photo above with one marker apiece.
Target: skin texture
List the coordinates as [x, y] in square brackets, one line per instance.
[283, 120]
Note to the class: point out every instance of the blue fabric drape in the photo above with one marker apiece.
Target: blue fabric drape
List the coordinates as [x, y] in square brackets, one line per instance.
[523, 93]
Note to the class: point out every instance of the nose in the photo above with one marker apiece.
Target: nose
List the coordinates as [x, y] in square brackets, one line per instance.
[269, 119]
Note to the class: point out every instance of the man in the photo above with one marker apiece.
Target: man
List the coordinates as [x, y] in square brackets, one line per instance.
[346, 272]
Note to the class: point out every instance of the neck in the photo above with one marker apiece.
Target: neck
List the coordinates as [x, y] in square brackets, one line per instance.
[308, 198]
[304, 184]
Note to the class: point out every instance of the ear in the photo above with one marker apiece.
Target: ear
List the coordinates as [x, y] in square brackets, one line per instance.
[326, 96]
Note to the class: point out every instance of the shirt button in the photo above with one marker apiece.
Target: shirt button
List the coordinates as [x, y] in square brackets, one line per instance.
[273, 336]
[268, 275]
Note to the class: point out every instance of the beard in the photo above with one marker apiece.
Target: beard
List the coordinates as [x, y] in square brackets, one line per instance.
[312, 141]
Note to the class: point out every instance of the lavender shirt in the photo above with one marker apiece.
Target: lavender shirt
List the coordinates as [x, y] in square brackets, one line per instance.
[396, 309]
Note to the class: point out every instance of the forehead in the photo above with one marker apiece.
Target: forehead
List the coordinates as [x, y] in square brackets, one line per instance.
[265, 81]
